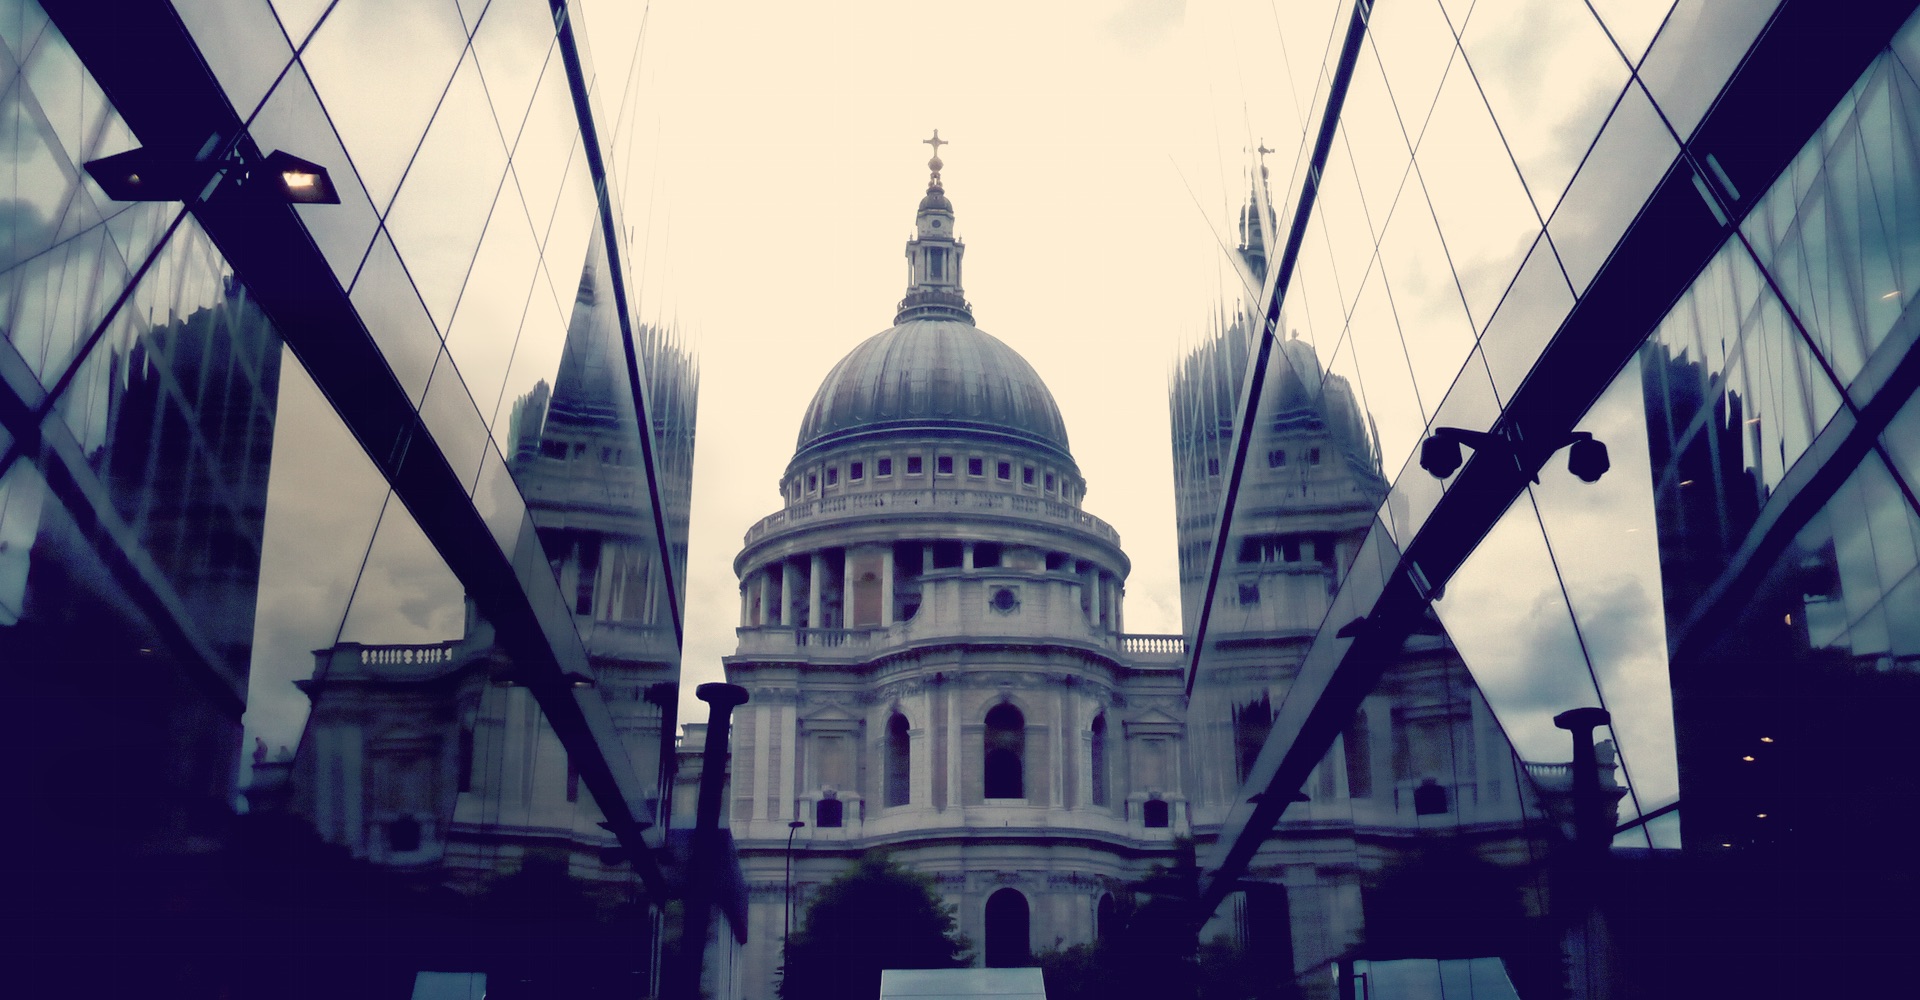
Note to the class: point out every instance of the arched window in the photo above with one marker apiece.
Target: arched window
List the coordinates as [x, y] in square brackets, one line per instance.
[1106, 917]
[1251, 724]
[1099, 756]
[1359, 750]
[828, 814]
[1007, 930]
[1154, 813]
[899, 761]
[1006, 753]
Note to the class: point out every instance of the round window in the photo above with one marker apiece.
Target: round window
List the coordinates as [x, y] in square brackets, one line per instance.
[1005, 600]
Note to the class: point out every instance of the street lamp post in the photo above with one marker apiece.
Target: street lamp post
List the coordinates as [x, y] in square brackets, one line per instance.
[786, 916]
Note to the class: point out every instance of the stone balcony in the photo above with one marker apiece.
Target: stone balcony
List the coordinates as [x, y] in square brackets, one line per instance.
[937, 502]
[852, 644]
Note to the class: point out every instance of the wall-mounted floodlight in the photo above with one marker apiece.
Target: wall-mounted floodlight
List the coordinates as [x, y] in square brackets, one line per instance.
[149, 174]
[162, 174]
[1441, 456]
[302, 182]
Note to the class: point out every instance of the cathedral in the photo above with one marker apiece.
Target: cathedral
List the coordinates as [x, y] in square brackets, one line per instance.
[932, 630]
[932, 633]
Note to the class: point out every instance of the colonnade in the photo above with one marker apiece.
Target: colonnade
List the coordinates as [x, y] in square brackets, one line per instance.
[872, 586]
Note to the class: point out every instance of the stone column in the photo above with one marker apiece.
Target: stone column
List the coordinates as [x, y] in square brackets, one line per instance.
[766, 595]
[887, 598]
[846, 587]
[746, 607]
[789, 581]
[1093, 605]
[814, 582]
[966, 556]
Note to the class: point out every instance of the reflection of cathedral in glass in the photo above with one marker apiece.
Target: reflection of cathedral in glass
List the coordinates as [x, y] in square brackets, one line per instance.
[1423, 752]
[458, 770]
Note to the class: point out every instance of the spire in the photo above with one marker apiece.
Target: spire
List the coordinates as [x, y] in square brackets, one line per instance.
[1255, 223]
[933, 254]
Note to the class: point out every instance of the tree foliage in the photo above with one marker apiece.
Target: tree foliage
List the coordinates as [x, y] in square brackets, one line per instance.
[1151, 949]
[876, 916]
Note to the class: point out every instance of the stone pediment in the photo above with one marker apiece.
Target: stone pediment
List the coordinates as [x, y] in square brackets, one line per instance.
[829, 713]
[1156, 716]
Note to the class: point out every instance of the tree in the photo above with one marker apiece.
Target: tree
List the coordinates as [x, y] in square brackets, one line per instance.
[876, 916]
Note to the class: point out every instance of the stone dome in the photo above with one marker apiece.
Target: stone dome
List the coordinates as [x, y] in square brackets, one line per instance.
[939, 375]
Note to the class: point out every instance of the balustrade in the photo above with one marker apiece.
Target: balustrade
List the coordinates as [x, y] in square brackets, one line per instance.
[854, 504]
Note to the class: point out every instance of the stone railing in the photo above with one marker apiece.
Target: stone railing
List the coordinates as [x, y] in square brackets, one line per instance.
[437, 653]
[783, 638]
[858, 641]
[1144, 643]
[932, 502]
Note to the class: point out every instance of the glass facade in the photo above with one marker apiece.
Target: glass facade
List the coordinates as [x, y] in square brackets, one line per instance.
[341, 545]
[1518, 221]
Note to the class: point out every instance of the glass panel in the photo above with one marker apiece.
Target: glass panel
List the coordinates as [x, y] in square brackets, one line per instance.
[1426, 299]
[1902, 441]
[1483, 212]
[513, 43]
[191, 287]
[405, 595]
[1605, 548]
[500, 503]
[151, 733]
[1775, 381]
[1697, 49]
[1470, 405]
[494, 303]
[1632, 23]
[1373, 140]
[74, 108]
[381, 69]
[178, 430]
[323, 502]
[454, 421]
[1551, 77]
[293, 120]
[1733, 399]
[545, 146]
[441, 210]
[472, 10]
[584, 480]
[388, 304]
[578, 210]
[1806, 680]
[242, 41]
[1313, 306]
[536, 356]
[298, 17]
[1628, 159]
[1383, 370]
[1529, 316]
[1415, 44]
[1507, 615]
[62, 244]
[1343, 219]
[1839, 230]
